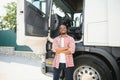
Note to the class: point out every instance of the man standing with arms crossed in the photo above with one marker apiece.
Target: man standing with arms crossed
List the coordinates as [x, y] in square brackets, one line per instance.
[64, 47]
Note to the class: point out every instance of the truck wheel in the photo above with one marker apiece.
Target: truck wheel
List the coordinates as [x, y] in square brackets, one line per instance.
[88, 67]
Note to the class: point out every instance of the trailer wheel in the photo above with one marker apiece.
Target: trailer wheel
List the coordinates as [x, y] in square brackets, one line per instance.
[88, 67]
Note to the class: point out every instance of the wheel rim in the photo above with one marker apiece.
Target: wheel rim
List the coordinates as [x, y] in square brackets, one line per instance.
[86, 73]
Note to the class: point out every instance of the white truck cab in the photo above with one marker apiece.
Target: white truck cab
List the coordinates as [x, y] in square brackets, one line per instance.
[94, 24]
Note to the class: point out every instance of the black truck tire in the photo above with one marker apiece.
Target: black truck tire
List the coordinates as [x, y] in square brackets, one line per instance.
[89, 67]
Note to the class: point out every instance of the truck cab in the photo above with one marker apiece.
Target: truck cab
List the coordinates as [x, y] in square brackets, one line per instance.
[93, 24]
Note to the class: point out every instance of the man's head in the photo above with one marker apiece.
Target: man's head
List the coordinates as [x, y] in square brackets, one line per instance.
[62, 29]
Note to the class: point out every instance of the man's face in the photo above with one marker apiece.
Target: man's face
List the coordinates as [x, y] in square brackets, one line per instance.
[63, 29]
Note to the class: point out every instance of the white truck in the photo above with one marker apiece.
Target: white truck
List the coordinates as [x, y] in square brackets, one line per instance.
[94, 24]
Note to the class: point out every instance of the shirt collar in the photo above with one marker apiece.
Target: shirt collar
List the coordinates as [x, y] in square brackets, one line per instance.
[60, 36]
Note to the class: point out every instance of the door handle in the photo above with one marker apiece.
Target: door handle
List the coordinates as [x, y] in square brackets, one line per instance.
[21, 11]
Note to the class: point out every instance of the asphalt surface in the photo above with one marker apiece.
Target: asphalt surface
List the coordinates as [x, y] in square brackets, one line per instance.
[20, 68]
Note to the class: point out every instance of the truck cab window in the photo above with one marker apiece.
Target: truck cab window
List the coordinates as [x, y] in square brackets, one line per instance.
[40, 4]
[76, 21]
[35, 18]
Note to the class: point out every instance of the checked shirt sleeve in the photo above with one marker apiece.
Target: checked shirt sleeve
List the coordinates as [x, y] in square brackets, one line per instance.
[54, 45]
[72, 45]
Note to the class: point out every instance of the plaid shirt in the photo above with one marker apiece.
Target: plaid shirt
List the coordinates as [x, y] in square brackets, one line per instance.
[68, 42]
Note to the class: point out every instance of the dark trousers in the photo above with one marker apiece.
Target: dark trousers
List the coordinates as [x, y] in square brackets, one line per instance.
[68, 72]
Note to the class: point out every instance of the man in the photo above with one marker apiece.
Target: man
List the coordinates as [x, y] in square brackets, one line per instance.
[64, 47]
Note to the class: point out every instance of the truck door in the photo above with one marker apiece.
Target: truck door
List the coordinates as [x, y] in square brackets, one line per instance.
[32, 24]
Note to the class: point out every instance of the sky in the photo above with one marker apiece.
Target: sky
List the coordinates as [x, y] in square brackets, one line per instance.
[2, 4]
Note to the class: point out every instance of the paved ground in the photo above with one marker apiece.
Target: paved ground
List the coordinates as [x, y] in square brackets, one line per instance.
[19, 68]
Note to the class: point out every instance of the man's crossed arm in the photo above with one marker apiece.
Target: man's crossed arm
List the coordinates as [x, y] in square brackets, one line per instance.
[63, 50]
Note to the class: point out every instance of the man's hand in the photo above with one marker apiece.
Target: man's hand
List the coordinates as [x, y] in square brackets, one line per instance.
[67, 52]
[60, 50]
[63, 50]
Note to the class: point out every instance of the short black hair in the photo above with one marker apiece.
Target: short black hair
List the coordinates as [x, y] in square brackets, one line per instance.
[64, 25]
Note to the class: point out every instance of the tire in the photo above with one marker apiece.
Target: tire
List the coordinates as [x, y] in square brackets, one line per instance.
[89, 67]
